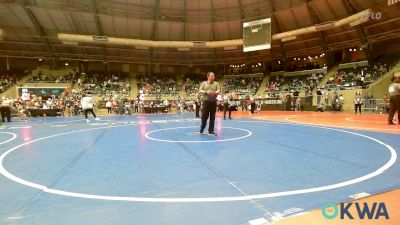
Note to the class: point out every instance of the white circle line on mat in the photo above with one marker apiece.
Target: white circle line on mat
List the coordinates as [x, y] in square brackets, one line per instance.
[43, 188]
[8, 140]
[147, 135]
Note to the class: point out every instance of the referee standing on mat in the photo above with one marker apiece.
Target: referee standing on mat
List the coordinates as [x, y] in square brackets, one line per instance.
[5, 109]
[394, 91]
[209, 90]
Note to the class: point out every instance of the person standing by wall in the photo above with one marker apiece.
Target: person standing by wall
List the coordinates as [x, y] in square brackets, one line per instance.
[252, 103]
[108, 106]
[209, 90]
[357, 102]
[327, 96]
[394, 92]
[226, 104]
[319, 96]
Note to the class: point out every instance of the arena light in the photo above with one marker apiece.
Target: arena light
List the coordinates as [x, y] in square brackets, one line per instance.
[289, 39]
[78, 38]
[361, 20]
[324, 26]
[70, 43]
[183, 49]
[142, 47]
[392, 2]
[348, 20]
[2, 34]
[230, 48]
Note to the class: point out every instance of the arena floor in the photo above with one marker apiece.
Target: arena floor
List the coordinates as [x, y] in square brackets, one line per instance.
[157, 169]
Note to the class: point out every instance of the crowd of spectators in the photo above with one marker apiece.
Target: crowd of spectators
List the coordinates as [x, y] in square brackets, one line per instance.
[242, 85]
[298, 83]
[358, 76]
[158, 84]
[192, 83]
[43, 78]
[102, 85]
[9, 78]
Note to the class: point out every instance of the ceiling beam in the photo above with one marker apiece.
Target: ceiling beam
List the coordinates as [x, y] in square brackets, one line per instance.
[213, 19]
[183, 54]
[239, 2]
[156, 16]
[127, 12]
[95, 10]
[314, 18]
[39, 29]
[279, 29]
[360, 29]
[184, 19]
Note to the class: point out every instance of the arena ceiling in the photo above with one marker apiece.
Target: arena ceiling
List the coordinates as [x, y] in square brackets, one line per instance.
[31, 27]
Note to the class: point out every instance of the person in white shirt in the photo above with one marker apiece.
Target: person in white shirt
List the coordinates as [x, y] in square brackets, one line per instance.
[87, 103]
[6, 109]
[108, 106]
[357, 102]
[226, 104]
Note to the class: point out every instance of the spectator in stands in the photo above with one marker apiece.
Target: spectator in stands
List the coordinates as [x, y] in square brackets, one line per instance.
[321, 107]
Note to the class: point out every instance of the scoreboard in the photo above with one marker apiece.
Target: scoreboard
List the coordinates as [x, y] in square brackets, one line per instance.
[257, 35]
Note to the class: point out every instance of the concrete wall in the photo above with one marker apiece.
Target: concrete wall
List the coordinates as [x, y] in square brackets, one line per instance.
[11, 93]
